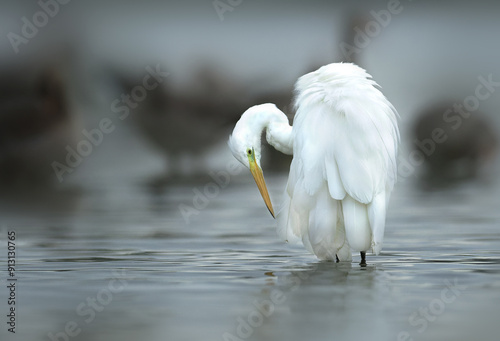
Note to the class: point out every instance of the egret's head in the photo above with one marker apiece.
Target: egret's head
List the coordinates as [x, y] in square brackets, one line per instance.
[245, 145]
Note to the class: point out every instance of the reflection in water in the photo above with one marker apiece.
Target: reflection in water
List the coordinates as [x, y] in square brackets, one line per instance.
[347, 298]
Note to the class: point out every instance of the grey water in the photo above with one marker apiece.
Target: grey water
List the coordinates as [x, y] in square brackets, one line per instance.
[115, 259]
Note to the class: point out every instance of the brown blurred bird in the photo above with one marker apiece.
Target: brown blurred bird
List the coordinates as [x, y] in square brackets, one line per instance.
[188, 122]
[181, 123]
[34, 123]
[455, 147]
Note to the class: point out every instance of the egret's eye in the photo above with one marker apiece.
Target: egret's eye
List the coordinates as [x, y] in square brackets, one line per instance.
[249, 151]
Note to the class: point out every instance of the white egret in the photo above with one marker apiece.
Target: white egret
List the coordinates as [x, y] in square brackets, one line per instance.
[344, 142]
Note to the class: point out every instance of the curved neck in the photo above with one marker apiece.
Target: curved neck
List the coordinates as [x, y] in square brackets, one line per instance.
[278, 131]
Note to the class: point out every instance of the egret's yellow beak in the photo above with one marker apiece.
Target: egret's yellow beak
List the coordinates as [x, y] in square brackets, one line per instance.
[259, 180]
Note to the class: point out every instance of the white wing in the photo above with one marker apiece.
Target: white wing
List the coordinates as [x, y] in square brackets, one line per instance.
[344, 165]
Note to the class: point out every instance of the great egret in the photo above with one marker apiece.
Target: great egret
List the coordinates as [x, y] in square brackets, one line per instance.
[344, 142]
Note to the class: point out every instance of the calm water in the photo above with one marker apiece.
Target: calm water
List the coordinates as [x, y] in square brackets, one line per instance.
[116, 260]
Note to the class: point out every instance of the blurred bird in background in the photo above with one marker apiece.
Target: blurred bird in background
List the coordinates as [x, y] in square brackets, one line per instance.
[465, 147]
[344, 142]
[179, 122]
[35, 125]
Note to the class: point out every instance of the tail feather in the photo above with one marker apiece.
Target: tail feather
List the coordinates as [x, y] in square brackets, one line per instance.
[357, 224]
[376, 215]
[319, 224]
[322, 225]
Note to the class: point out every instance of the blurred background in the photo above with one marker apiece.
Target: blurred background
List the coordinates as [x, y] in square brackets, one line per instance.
[113, 114]
[67, 69]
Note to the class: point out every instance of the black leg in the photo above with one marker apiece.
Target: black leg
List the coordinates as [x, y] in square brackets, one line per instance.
[363, 258]
[337, 258]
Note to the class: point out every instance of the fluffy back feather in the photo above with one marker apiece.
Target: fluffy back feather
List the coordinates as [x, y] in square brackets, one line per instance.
[345, 139]
[345, 124]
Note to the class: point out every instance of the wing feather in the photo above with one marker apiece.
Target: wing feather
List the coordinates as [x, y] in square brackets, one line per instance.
[345, 140]
[323, 218]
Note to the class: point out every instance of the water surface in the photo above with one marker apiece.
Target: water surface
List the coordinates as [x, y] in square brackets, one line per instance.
[117, 261]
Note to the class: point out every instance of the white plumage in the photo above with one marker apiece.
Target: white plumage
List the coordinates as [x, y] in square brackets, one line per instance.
[344, 141]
